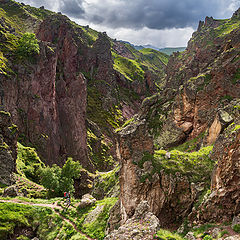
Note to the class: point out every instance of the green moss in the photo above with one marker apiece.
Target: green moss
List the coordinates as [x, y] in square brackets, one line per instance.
[167, 235]
[236, 228]
[125, 124]
[105, 184]
[237, 127]
[208, 237]
[236, 77]
[202, 229]
[96, 112]
[227, 27]
[99, 151]
[191, 145]
[28, 162]
[5, 113]
[155, 55]
[197, 166]
[131, 69]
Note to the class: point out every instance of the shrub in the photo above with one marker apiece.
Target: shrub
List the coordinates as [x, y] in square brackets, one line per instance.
[59, 180]
[236, 228]
[28, 163]
[28, 45]
[207, 237]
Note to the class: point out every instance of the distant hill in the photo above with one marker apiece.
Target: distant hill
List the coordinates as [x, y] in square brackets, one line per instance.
[169, 51]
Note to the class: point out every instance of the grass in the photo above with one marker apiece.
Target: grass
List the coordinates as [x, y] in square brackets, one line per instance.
[16, 215]
[131, 69]
[95, 228]
[28, 162]
[197, 166]
[106, 182]
[155, 55]
[167, 235]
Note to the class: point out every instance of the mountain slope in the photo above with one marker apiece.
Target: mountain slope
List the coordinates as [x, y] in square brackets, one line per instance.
[69, 99]
[168, 150]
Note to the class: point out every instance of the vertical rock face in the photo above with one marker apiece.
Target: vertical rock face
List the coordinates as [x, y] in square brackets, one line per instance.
[47, 98]
[223, 203]
[197, 103]
[133, 143]
[170, 196]
[8, 148]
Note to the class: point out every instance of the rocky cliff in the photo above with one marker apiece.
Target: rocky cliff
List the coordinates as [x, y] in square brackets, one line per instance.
[166, 150]
[68, 99]
[8, 148]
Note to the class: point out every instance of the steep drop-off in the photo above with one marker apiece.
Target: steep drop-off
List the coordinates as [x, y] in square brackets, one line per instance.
[166, 150]
[68, 99]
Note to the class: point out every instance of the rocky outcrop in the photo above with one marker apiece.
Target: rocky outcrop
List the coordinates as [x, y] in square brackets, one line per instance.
[197, 105]
[223, 202]
[143, 225]
[170, 196]
[8, 148]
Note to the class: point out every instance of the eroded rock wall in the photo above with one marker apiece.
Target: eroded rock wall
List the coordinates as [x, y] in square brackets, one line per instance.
[8, 148]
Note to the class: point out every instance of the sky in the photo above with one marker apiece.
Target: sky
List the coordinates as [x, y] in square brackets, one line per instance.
[161, 23]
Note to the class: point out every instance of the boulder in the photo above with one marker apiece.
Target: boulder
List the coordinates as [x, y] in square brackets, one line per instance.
[236, 220]
[11, 191]
[143, 225]
[87, 200]
[190, 236]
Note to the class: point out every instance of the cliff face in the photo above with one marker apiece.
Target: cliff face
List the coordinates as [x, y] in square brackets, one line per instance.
[195, 109]
[75, 77]
[223, 202]
[8, 148]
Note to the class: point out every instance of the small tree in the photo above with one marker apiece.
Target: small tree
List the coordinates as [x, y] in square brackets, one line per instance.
[59, 180]
[28, 45]
[50, 178]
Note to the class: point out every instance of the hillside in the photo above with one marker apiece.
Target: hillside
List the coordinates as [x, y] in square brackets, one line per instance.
[111, 85]
[146, 145]
[169, 150]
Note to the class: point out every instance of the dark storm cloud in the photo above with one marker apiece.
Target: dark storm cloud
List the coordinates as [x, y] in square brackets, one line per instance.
[72, 8]
[154, 14]
[136, 14]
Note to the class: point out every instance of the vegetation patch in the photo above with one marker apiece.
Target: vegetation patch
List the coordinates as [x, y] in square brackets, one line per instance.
[155, 55]
[99, 151]
[131, 69]
[27, 46]
[28, 163]
[59, 180]
[197, 166]
[96, 227]
[167, 235]
[105, 183]
[38, 218]
[236, 77]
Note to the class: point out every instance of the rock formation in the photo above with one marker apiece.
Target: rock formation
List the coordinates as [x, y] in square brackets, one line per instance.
[74, 78]
[142, 225]
[196, 107]
[8, 148]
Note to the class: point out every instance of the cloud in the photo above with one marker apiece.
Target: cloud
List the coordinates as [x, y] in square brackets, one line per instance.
[153, 14]
[71, 8]
[48, 4]
[157, 22]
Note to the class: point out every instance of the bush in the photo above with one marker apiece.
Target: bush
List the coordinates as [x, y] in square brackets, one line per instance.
[28, 45]
[207, 237]
[236, 228]
[59, 180]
